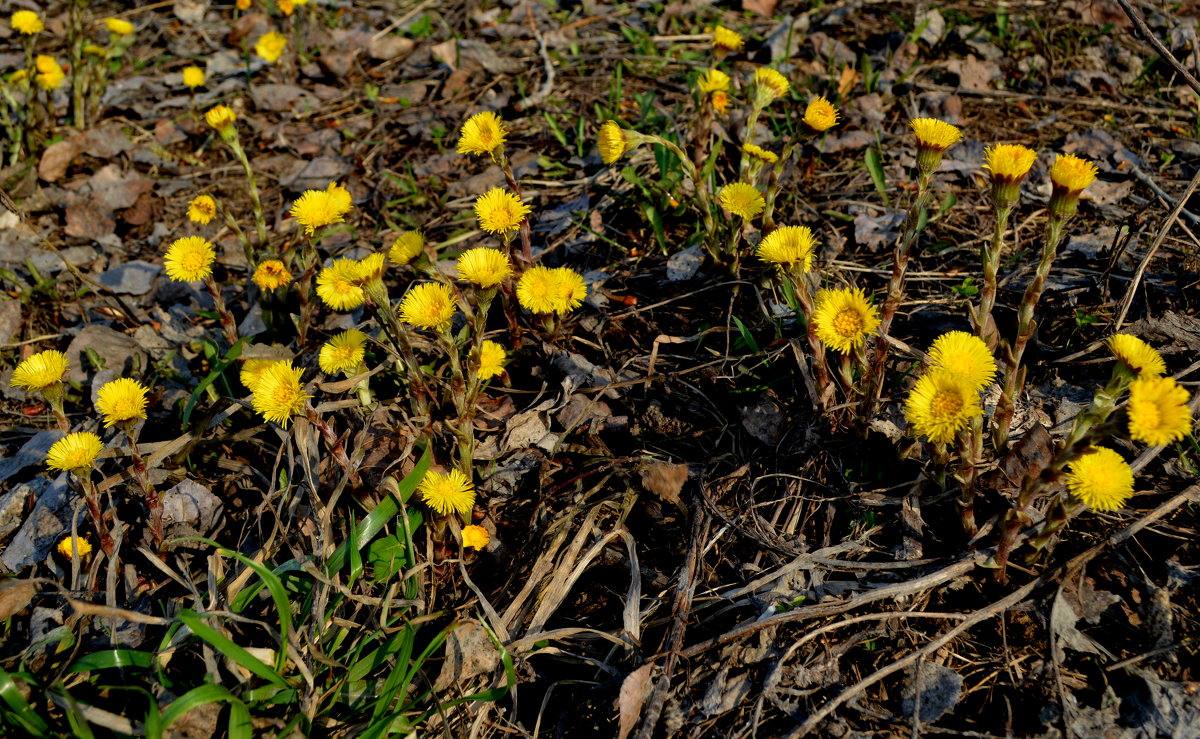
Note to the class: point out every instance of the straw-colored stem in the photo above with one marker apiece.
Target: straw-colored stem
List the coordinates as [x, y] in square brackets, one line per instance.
[142, 475]
[92, 499]
[260, 222]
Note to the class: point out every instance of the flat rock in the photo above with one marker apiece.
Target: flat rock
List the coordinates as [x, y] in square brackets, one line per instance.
[131, 278]
[10, 320]
[31, 453]
[118, 352]
[683, 265]
[191, 504]
[43, 528]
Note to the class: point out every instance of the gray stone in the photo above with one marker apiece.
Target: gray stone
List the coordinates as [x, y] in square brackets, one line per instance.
[14, 502]
[43, 528]
[117, 351]
[939, 688]
[684, 265]
[10, 320]
[191, 504]
[31, 452]
[131, 278]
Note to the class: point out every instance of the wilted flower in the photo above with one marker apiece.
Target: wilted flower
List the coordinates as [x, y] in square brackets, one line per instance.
[189, 259]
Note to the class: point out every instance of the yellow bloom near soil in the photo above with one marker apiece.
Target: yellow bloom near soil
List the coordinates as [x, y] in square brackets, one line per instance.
[941, 404]
[447, 493]
[189, 259]
[41, 370]
[121, 401]
[278, 394]
[1101, 479]
[843, 318]
[75, 452]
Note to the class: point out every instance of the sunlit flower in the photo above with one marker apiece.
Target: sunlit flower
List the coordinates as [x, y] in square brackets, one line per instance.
[843, 317]
[429, 305]
[278, 394]
[769, 85]
[720, 101]
[26, 22]
[406, 247]
[202, 209]
[189, 259]
[270, 46]
[741, 199]
[940, 404]
[343, 352]
[243, 4]
[491, 359]
[121, 401]
[75, 452]
[370, 272]
[964, 355]
[1008, 165]
[221, 118]
[1069, 176]
[535, 289]
[1137, 355]
[1101, 479]
[253, 369]
[287, 7]
[40, 371]
[820, 115]
[484, 267]
[933, 138]
[339, 285]
[759, 153]
[568, 289]
[475, 537]
[340, 199]
[193, 77]
[500, 212]
[611, 142]
[483, 133]
[713, 80]
[447, 493]
[788, 247]
[118, 26]
[727, 40]
[1158, 411]
[50, 75]
[271, 274]
[318, 208]
[74, 547]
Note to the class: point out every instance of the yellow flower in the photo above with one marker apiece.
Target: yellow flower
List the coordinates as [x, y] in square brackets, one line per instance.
[278, 394]
[933, 138]
[26, 22]
[612, 142]
[820, 115]
[221, 118]
[1071, 173]
[429, 305]
[475, 537]
[940, 404]
[406, 247]
[252, 371]
[720, 102]
[769, 85]
[741, 199]
[843, 317]
[500, 212]
[714, 80]
[270, 46]
[94, 50]
[50, 76]
[18, 77]
[40, 371]
[484, 267]
[189, 259]
[338, 285]
[75, 452]
[74, 547]
[1101, 479]
[193, 77]
[370, 272]
[1158, 411]
[287, 7]
[339, 198]
[447, 493]
[243, 4]
[483, 133]
[202, 209]
[759, 153]
[568, 290]
[318, 208]
[121, 401]
[118, 26]
[535, 289]
[491, 359]
[1008, 165]
[271, 274]
[343, 352]
[727, 40]
[964, 355]
[788, 247]
[1137, 355]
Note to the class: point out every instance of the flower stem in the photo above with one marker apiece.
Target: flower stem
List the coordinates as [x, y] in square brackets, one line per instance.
[228, 325]
[260, 223]
[142, 475]
[989, 256]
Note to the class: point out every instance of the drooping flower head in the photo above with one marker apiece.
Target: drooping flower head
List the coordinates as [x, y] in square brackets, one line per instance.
[344, 352]
[40, 371]
[725, 40]
[820, 115]
[26, 22]
[491, 359]
[484, 267]
[759, 154]
[1101, 479]
[940, 404]
[500, 212]
[933, 138]
[475, 537]
[741, 199]
[964, 355]
[121, 401]
[713, 80]
[790, 248]
[483, 133]
[769, 85]
[1069, 176]
[447, 493]
[221, 118]
[252, 371]
[193, 77]
[189, 259]
[271, 274]
[843, 317]
[406, 247]
[429, 305]
[339, 285]
[1141, 358]
[202, 209]
[1008, 164]
[1158, 411]
[278, 394]
[74, 547]
[370, 275]
[319, 208]
[118, 26]
[74, 452]
[611, 142]
[270, 46]
[50, 75]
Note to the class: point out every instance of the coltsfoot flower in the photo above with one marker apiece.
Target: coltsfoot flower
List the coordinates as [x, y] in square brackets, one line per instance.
[26, 22]
[491, 359]
[447, 493]
[1069, 177]
[934, 137]
[940, 404]
[318, 208]
[271, 274]
[820, 115]
[193, 77]
[1137, 355]
[964, 355]
[252, 371]
[343, 352]
[75, 452]
[370, 272]
[484, 267]
[500, 212]
[74, 547]
[429, 305]
[1101, 479]
[118, 26]
[278, 394]
[611, 142]
[270, 46]
[221, 118]
[202, 209]
[551, 290]
[50, 75]
[39, 371]
[475, 537]
[1008, 164]
[406, 247]
[121, 401]
[720, 101]
[760, 154]
[727, 40]
[788, 247]
[339, 285]
[1158, 411]
[483, 133]
[769, 85]
[713, 80]
[189, 259]
[741, 199]
[843, 317]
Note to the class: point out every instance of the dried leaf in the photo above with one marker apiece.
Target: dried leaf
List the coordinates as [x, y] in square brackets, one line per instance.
[634, 688]
[848, 80]
[15, 595]
[665, 480]
[1030, 455]
[469, 653]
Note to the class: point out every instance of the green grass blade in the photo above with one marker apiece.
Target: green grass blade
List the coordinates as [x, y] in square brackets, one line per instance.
[239, 715]
[20, 712]
[229, 358]
[112, 658]
[875, 167]
[227, 647]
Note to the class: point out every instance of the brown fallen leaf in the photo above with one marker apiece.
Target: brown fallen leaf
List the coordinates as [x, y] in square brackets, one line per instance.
[15, 595]
[665, 480]
[631, 698]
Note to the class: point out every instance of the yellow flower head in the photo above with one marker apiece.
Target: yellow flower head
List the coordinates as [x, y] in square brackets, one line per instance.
[193, 77]
[475, 537]
[189, 259]
[74, 547]
[820, 115]
[271, 274]
[760, 154]
[546, 290]
[340, 199]
[278, 394]
[491, 359]
[484, 267]
[933, 138]
[843, 317]
[243, 4]
[118, 26]
[221, 118]
[720, 101]
[26, 22]
[1158, 411]
[343, 352]
[612, 143]
[18, 78]
[94, 50]
[1071, 173]
[940, 404]
[270, 46]
[1008, 161]
[447, 493]
[370, 271]
[788, 247]
[741, 199]
[1137, 355]
[483, 133]
[339, 285]
[964, 355]
[121, 401]
[429, 305]
[406, 247]
[40, 371]
[769, 85]
[569, 289]
[75, 452]
[1101, 479]
[252, 371]
[287, 7]
[727, 40]
[202, 209]
[500, 212]
[50, 75]
[318, 208]
[714, 80]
